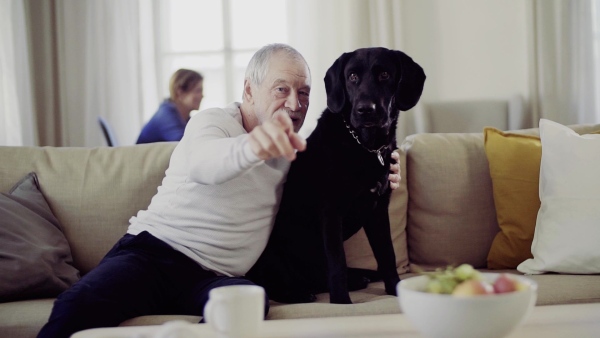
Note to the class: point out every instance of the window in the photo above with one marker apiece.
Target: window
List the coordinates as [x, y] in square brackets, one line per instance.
[216, 38]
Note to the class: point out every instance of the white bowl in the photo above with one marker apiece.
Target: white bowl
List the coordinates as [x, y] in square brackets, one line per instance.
[448, 316]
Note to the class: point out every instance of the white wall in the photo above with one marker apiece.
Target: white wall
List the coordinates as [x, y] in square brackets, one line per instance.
[470, 49]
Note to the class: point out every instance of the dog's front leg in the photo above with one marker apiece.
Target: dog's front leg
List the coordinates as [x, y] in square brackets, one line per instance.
[380, 238]
[337, 274]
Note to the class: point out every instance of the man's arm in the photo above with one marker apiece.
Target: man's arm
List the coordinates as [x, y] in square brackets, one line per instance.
[276, 138]
[218, 150]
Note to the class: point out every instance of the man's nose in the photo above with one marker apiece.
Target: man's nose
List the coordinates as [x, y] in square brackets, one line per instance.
[293, 102]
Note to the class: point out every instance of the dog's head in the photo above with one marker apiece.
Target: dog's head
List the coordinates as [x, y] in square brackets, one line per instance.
[370, 86]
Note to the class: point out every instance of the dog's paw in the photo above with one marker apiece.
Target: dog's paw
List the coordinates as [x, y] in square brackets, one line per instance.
[391, 291]
[390, 286]
[340, 299]
[359, 279]
[357, 283]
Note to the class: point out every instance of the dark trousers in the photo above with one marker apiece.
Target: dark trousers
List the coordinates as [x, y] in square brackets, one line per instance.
[141, 275]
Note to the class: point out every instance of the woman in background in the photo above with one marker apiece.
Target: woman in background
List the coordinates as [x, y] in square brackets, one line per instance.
[169, 121]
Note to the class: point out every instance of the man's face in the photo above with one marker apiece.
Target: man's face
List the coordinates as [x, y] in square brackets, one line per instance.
[285, 87]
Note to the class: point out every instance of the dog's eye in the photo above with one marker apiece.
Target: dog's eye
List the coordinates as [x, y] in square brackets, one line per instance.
[384, 76]
[353, 77]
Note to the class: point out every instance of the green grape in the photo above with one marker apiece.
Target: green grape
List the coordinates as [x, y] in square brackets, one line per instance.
[444, 281]
[464, 272]
[448, 285]
[434, 286]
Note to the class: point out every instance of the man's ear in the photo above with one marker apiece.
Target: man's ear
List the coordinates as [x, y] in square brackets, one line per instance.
[248, 91]
[412, 81]
[335, 84]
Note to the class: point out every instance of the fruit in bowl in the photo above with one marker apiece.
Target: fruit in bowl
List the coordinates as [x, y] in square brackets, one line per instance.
[466, 281]
[463, 302]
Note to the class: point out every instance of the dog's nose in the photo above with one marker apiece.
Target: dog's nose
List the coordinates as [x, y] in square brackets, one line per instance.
[366, 108]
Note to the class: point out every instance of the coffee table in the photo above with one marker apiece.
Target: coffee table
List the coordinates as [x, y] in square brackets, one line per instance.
[550, 321]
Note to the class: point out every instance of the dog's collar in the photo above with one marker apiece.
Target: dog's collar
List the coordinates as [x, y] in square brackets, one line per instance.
[375, 151]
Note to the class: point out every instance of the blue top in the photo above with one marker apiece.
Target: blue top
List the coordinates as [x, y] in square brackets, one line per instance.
[165, 125]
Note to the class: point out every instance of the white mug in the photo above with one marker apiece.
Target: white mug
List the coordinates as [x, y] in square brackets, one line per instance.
[236, 311]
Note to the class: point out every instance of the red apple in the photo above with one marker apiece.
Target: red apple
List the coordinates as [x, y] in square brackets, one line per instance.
[473, 287]
[505, 283]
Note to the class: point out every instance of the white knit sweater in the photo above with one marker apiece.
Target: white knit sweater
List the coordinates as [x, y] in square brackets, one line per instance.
[218, 200]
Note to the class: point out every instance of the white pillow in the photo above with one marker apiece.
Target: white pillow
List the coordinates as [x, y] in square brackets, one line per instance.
[567, 231]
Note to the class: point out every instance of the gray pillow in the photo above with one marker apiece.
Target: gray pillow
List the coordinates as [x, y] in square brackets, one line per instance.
[35, 258]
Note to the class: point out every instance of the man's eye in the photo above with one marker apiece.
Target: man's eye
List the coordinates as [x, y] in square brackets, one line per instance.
[353, 77]
[384, 76]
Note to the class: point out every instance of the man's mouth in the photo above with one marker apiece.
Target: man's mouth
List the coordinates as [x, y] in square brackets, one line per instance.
[295, 117]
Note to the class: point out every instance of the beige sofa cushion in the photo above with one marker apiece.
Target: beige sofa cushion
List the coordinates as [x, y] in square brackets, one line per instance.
[451, 215]
[92, 191]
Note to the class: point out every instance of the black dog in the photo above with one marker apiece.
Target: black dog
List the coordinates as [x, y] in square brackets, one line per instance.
[340, 183]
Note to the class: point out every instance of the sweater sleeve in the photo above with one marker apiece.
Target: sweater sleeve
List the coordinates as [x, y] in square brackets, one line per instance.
[216, 148]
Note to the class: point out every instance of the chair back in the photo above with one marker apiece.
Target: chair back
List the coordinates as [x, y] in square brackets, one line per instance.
[466, 116]
[109, 135]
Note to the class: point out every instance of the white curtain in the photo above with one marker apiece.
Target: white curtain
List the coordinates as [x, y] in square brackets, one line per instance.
[567, 62]
[106, 68]
[343, 26]
[16, 116]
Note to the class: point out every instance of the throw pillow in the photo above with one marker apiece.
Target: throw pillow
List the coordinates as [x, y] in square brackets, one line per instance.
[567, 229]
[35, 258]
[514, 161]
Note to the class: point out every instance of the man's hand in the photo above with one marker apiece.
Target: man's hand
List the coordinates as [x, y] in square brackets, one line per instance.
[276, 138]
[394, 177]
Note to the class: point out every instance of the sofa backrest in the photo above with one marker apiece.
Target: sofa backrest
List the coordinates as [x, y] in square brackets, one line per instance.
[92, 191]
[451, 217]
[443, 213]
[95, 191]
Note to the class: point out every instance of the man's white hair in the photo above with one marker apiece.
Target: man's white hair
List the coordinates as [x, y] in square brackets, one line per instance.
[259, 64]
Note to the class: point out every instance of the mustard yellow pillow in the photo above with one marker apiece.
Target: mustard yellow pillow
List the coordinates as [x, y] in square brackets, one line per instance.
[514, 162]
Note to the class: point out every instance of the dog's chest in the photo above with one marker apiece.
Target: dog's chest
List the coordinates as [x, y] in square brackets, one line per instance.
[345, 167]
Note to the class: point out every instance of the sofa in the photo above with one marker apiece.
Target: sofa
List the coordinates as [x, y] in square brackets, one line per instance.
[444, 213]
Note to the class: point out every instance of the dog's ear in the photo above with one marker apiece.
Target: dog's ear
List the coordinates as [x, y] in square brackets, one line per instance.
[410, 86]
[335, 84]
